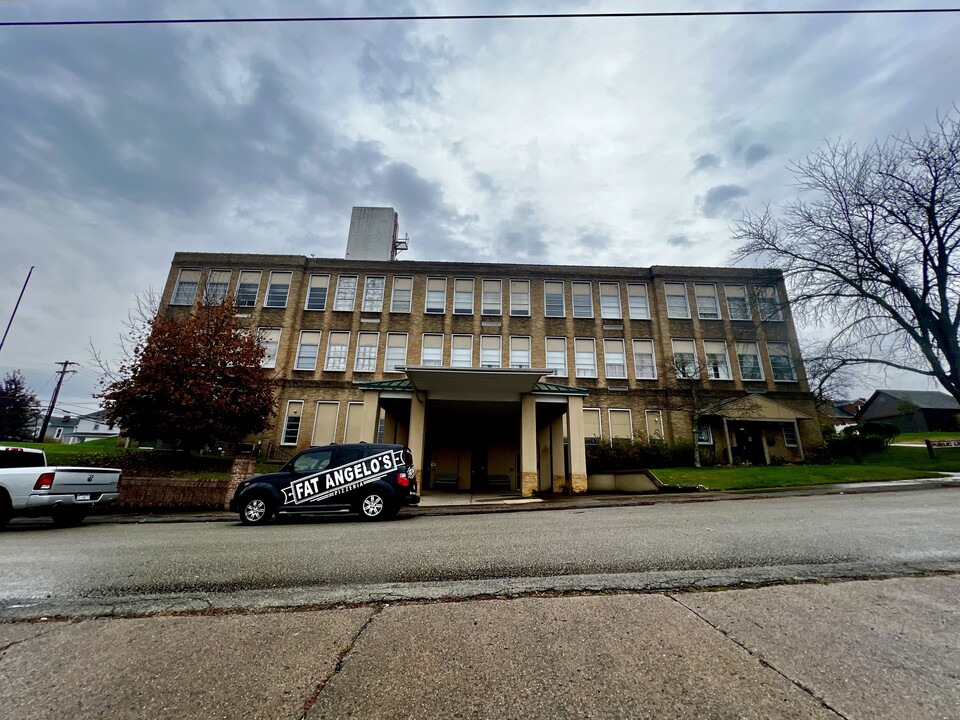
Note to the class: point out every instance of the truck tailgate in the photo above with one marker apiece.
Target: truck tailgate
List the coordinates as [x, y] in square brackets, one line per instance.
[70, 480]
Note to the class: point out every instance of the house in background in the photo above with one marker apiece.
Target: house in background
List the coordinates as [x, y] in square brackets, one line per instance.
[912, 410]
[73, 429]
[839, 414]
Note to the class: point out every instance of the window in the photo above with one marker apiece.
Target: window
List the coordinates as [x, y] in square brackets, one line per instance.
[654, 420]
[317, 292]
[582, 293]
[520, 297]
[789, 435]
[307, 350]
[585, 357]
[748, 356]
[366, 360]
[781, 362]
[610, 301]
[432, 351]
[313, 461]
[553, 298]
[738, 304]
[677, 304]
[769, 304]
[346, 293]
[436, 296]
[396, 354]
[638, 301]
[591, 425]
[338, 343]
[325, 423]
[704, 435]
[291, 426]
[402, 297]
[708, 306]
[621, 424]
[718, 364]
[557, 356]
[278, 289]
[685, 359]
[248, 286]
[643, 360]
[185, 291]
[614, 360]
[217, 283]
[58, 434]
[373, 288]
[353, 427]
[463, 296]
[492, 297]
[490, 351]
[461, 351]
[519, 352]
[270, 340]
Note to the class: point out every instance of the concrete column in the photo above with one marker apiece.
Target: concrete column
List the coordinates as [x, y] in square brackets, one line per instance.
[726, 436]
[528, 445]
[796, 431]
[556, 455]
[417, 437]
[544, 474]
[371, 416]
[389, 428]
[578, 449]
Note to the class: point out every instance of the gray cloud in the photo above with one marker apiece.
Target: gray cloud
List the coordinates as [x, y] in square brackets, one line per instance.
[706, 161]
[719, 201]
[755, 153]
[679, 240]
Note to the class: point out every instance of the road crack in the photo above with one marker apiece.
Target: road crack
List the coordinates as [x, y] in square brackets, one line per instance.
[809, 691]
[338, 666]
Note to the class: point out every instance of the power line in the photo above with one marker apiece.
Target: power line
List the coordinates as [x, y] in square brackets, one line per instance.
[491, 16]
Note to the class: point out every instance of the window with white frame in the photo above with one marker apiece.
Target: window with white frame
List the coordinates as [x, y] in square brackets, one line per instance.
[492, 296]
[217, 283]
[781, 362]
[748, 357]
[738, 302]
[248, 287]
[58, 434]
[644, 362]
[402, 298]
[490, 355]
[708, 305]
[614, 359]
[366, 359]
[338, 345]
[768, 302]
[654, 423]
[185, 291]
[718, 364]
[291, 425]
[585, 357]
[463, 296]
[353, 427]
[307, 350]
[270, 341]
[317, 292]
[610, 301]
[325, 423]
[520, 297]
[621, 424]
[638, 301]
[519, 352]
[373, 290]
[396, 353]
[461, 351]
[436, 302]
[431, 352]
[592, 434]
[557, 355]
[278, 289]
[685, 359]
[582, 295]
[346, 296]
[553, 305]
[704, 434]
[677, 304]
[789, 435]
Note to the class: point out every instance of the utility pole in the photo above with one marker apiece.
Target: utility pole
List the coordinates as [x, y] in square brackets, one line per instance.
[15, 307]
[56, 391]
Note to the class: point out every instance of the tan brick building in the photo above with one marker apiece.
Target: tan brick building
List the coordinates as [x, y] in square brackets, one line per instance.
[497, 374]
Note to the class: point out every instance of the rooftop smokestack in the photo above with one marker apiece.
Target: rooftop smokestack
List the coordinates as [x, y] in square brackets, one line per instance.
[373, 234]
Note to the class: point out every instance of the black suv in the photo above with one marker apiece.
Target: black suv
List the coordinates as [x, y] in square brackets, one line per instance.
[371, 479]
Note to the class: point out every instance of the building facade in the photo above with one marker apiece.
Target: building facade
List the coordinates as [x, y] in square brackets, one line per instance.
[497, 375]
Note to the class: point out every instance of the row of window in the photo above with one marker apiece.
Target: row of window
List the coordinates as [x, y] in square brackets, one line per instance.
[716, 361]
[705, 295]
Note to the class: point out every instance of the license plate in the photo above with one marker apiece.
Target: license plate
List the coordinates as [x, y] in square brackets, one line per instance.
[83, 496]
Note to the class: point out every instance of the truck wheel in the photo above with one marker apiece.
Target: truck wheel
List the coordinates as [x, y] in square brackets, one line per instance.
[255, 510]
[68, 517]
[376, 506]
[6, 512]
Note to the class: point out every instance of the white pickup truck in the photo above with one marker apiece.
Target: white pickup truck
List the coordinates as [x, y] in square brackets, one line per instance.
[67, 494]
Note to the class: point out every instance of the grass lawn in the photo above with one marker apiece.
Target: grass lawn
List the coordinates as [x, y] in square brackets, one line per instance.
[56, 451]
[919, 437]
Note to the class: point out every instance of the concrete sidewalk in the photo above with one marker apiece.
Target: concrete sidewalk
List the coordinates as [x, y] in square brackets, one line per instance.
[869, 649]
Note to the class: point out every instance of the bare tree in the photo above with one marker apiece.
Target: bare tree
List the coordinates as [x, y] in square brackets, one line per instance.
[871, 254]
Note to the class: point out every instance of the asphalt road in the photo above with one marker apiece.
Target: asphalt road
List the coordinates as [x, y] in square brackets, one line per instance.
[140, 569]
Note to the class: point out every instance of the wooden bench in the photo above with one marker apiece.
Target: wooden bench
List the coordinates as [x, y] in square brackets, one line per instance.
[931, 444]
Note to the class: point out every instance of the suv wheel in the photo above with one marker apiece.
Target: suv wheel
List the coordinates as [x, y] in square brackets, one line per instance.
[255, 510]
[376, 506]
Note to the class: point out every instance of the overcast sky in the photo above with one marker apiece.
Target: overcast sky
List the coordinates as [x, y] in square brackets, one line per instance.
[578, 141]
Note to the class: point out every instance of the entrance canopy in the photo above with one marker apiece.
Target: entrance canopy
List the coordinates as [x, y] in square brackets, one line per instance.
[484, 384]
